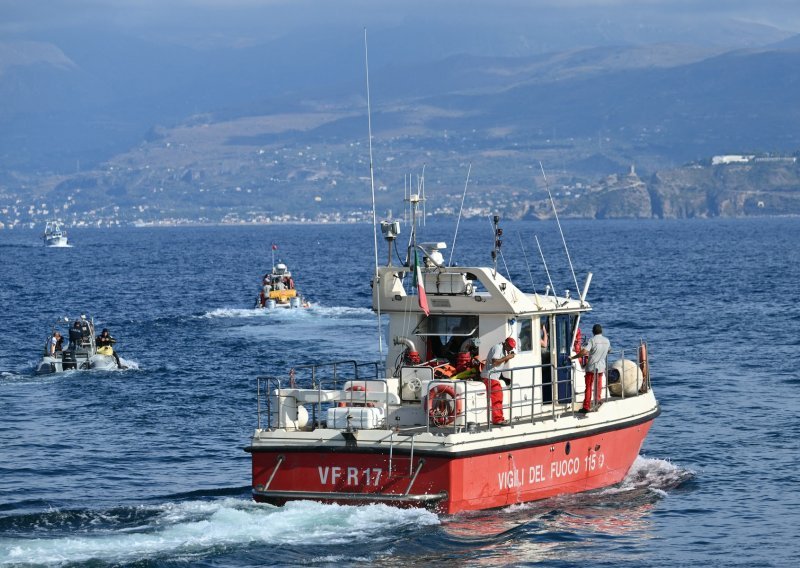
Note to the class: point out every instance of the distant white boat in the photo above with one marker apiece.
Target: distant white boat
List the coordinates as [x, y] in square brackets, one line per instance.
[54, 234]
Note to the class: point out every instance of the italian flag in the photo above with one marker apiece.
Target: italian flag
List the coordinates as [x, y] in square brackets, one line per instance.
[423, 298]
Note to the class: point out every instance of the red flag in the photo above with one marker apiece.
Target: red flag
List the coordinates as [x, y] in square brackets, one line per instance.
[274, 246]
[423, 298]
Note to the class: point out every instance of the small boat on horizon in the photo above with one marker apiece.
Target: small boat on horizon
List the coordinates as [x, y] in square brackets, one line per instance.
[54, 234]
[418, 429]
[82, 352]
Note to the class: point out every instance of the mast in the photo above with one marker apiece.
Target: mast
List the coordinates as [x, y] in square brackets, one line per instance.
[460, 210]
[376, 276]
[498, 232]
[414, 200]
[563, 240]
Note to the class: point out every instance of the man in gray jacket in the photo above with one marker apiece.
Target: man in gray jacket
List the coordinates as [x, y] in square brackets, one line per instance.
[597, 350]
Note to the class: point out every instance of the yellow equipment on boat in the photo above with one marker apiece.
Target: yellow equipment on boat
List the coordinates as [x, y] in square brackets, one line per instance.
[282, 296]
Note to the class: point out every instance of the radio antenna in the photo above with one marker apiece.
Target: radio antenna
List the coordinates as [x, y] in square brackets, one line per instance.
[497, 232]
[563, 240]
[405, 198]
[528, 266]
[422, 194]
[455, 236]
[544, 262]
[376, 278]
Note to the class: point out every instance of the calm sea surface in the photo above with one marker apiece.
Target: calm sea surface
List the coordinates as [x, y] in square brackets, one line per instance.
[145, 466]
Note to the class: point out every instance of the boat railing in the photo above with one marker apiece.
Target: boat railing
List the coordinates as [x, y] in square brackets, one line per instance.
[517, 407]
[332, 376]
[525, 398]
[335, 372]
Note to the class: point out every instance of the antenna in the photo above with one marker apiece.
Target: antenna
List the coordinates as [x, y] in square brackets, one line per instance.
[415, 201]
[376, 279]
[455, 235]
[496, 233]
[405, 197]
[422, 188]
[553, 288]
[528, 266]
[563, 240]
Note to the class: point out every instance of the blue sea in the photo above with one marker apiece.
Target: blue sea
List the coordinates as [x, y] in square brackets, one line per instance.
[145, 466]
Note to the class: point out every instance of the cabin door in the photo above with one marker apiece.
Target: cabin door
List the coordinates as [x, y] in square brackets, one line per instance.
[563, 338]
[547, 369]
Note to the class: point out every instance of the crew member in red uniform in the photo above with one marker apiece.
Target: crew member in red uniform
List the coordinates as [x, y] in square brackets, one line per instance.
[496, 362]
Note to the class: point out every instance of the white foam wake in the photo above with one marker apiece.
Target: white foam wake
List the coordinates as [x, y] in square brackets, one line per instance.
[129, 363]
[277, 313]
[654, 474]
[191, 528]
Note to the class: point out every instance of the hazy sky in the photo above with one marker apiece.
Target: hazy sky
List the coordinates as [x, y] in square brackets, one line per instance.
[239, 20]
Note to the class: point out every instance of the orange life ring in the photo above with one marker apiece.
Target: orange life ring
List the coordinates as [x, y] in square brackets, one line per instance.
[443, 405]
[356, 388]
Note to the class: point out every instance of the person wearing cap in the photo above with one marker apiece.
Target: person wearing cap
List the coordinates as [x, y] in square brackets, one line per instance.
[105, 340]
[596, 350]
[492, 374]
[55, 344]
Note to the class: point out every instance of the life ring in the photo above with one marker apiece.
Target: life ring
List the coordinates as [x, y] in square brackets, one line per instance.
[644, 366]
[443, 405]
[356, 388]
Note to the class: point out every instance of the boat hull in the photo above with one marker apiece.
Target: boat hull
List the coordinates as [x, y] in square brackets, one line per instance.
[449, 483]
[55, 241]
[48, 365]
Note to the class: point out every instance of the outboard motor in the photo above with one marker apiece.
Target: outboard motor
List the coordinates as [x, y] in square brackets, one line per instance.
[294, 302]
[68, 360]
[270, 304]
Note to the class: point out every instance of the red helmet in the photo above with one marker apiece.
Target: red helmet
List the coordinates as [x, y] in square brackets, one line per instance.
[511, 343]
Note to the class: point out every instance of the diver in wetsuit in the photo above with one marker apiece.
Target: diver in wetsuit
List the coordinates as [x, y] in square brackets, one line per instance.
[105, 340]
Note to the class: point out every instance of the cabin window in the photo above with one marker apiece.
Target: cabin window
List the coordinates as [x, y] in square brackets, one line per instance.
[446, 336]
[460, 326]
[525, 334]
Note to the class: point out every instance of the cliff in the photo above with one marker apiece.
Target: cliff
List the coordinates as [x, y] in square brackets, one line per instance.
[764, 186]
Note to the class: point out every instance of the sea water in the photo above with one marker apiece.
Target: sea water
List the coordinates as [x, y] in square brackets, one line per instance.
[145, 466]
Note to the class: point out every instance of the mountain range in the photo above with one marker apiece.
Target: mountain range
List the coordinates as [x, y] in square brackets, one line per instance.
[159, 129]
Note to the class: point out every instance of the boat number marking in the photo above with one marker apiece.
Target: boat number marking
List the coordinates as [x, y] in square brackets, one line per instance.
[517, 477]
[332, 475]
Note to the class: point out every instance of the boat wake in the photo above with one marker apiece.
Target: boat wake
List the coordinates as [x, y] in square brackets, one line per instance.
[578, 517]
[9, 376]
[187, 531]
[129, 364]
[648, 481]
[286, 314]
[655, 475]
[30, 370]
